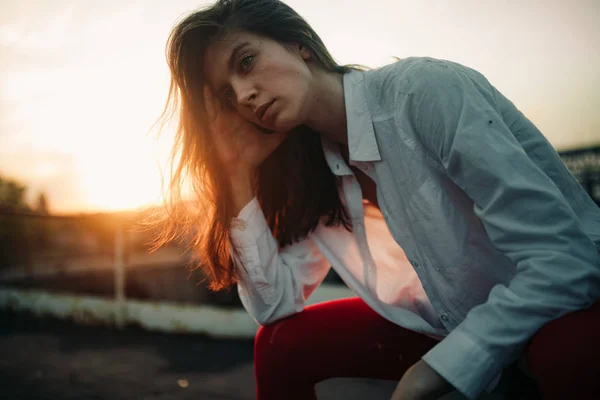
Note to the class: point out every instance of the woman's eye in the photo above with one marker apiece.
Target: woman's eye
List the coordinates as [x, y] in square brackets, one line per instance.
[246, 62]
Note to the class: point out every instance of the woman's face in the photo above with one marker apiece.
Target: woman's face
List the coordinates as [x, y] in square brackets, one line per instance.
[268, 83]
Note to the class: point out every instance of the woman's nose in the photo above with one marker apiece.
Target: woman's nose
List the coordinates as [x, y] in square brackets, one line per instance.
[245, 93]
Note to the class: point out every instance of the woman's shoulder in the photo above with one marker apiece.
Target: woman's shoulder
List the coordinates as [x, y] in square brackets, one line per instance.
[404, 77]
[418, 74]
[409, 66]
[416, 69]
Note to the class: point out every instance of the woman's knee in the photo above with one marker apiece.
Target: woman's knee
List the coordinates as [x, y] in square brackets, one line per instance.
[264, 339]
[274, 348]
[291, 344]
[562, 355]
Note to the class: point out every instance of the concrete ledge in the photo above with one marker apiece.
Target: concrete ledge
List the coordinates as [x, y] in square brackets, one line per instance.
[154, 316]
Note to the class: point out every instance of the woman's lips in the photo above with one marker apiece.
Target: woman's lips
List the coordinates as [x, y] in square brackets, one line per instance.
[267, 111]
[260, 110]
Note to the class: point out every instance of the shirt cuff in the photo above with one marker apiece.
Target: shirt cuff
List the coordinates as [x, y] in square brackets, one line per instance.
[464, 364]
[245, 233]
[248, 226]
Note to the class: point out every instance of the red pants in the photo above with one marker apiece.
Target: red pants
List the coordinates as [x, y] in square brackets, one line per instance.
[346, 338]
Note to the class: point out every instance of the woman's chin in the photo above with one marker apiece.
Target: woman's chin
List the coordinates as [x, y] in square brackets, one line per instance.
[262, 129]
[282, 125]
[279, 124]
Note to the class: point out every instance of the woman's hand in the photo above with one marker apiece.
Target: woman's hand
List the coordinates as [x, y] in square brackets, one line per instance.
[421, 382]
[240, 147]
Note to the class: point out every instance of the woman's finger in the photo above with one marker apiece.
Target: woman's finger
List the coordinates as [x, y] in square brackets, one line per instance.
[209, 103]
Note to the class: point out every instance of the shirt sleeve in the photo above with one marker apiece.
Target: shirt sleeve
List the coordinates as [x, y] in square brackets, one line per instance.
[524, 214]
[273, 283]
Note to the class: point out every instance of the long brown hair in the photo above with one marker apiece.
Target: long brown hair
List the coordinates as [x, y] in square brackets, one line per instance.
[295, 187]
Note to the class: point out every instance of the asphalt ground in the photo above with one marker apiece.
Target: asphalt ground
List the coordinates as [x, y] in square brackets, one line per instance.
[43, 358]
[48, 359]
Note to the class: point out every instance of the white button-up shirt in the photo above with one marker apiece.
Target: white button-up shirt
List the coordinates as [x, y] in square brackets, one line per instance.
[492, 236]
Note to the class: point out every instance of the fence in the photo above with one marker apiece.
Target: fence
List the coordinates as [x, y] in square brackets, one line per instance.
[98, 269]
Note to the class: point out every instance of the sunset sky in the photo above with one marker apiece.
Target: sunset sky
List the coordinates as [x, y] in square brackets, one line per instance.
[81, 82]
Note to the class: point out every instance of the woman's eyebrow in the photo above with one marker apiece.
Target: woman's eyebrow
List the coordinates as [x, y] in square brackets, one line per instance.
[231, 64]
[238, 47]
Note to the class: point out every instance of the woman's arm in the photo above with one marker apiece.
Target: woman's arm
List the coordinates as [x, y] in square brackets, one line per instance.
[273, 283]
[524, 214]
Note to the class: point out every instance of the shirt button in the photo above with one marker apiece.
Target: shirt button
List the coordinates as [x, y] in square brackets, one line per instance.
[444, 317]
[414, 264]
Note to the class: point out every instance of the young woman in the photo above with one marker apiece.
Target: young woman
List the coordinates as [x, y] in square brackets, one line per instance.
[442, 206]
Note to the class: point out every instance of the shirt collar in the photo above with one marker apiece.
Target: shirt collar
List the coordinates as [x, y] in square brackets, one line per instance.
[362, 145]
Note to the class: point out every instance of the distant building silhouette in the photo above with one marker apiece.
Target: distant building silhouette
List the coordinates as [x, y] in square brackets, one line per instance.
[585, 165]
[41, 206]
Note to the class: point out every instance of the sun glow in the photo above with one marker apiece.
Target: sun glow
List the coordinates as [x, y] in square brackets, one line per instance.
[104, 125]
[86, 104]
[82, 83]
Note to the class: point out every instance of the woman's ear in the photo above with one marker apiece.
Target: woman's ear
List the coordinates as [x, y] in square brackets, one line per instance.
[304, 51]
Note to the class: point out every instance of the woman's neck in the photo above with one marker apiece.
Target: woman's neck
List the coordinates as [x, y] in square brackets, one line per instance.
[327, 113]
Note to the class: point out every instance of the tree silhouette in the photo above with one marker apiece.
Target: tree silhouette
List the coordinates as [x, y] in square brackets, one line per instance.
[12, 194]
[14, 244]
